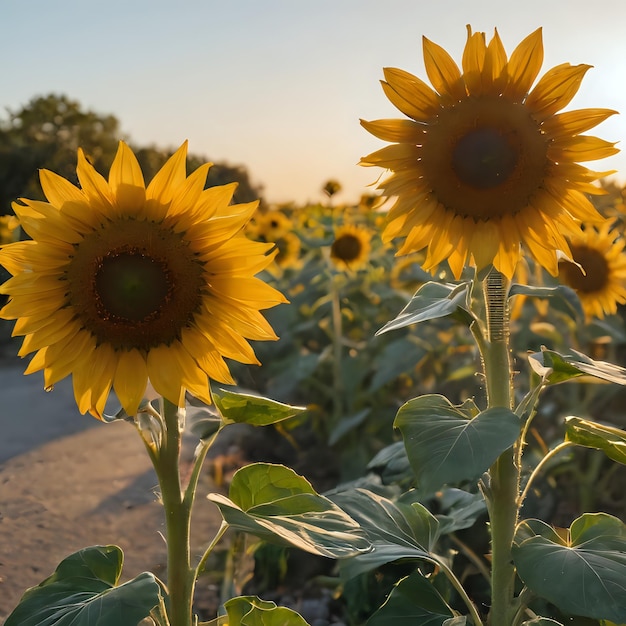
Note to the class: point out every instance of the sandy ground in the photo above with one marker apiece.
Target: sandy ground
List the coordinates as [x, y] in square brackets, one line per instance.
[68, 481]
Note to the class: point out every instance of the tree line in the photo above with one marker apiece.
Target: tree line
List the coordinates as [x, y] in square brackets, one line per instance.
[47, 132]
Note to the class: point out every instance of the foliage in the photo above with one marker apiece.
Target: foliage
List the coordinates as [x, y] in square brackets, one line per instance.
[47, 132]
[384, 359]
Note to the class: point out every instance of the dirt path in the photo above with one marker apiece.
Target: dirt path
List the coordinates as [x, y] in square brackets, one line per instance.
[68, 481]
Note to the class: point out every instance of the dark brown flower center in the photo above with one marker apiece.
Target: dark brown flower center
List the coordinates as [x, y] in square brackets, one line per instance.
[484, 157]
[346, 248]
[596, 269]
[135, 284]
[132, 287]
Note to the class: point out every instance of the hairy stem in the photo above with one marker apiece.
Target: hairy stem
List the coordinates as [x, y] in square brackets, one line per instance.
[504, 474]
[180, 575]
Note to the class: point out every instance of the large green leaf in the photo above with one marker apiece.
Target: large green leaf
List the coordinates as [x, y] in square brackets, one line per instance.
[431, 301]
[541, 621]
[446, 445]
[414, 600]
[563, 298]
[555, 368]
[396, 530]
[583, 573]
[276, 504]
[83, 592]
[611, 440]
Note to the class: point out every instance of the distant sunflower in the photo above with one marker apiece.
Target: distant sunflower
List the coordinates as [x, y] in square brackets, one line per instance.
[123, 284]
[272, 225]
[485, 164]
[8, 227]
[601, 283]
[351, 247]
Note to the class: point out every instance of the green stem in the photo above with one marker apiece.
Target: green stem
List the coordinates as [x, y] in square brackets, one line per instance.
[180, 575]
[504, 474]
[461, 591]
[337, 350]
[556, 450]
[218, 535]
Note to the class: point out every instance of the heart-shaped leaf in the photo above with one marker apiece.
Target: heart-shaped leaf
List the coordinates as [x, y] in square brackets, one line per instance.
[276, 504]
[611, 440]
[83, 592]
[431, 301]
[583, 573]
[396, 530]
[445, 446]
[414, 600]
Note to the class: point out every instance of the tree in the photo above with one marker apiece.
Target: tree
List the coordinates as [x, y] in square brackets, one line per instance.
[47, 132]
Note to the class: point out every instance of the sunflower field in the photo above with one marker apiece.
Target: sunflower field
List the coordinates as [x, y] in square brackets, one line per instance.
[425, 461]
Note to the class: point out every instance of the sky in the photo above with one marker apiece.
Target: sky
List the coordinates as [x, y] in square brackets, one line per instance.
[279, 86]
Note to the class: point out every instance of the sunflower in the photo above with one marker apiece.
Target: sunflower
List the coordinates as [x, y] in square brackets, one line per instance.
[272, 225]
[8, 226]
[122, 284]
[486, 164]
[598, 274]
[351, 247]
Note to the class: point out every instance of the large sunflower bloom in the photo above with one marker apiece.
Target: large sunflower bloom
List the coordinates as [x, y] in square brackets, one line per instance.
[124, 284]
[486, 164]
[598, 274]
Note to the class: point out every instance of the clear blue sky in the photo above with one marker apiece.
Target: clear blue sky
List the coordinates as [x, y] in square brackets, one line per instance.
[279, 85]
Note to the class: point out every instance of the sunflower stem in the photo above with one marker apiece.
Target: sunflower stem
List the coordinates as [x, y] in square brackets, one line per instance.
[338, 390]
[502, 500]
[180, 575]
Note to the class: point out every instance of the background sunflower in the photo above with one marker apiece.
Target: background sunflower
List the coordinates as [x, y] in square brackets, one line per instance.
[598, 274]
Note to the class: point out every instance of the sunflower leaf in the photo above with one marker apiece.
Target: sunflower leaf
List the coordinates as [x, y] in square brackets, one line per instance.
[611, 440]
[83, 590]
[446, 444]
[413, 600]
[431, 301]
[555, 368]
[563, 297]
[276, 504]
[583, 573]
[396, 530]
[252, 611]
[243, 408]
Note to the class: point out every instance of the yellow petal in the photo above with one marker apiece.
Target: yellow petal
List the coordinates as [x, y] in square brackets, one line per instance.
[165, 373]
[94, 186]
[473, 61]
[170, 178]
[575, 122]
[524, 66]
[443, 72]
[409, 94]
[130, 380]
[396, 131]
[126, 182]
[555, 89]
